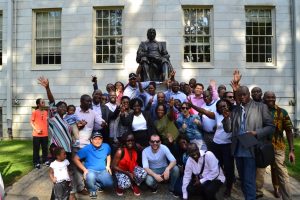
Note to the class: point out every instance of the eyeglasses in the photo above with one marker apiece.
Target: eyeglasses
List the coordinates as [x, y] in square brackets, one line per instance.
[155, 141]
[130, 140]
[184, 108]
[230, 97]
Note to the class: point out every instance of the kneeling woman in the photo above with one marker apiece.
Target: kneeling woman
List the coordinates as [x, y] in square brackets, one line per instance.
[127, 171]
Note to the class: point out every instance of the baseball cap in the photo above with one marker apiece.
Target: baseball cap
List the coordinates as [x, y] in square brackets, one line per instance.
[96, 134]
[132, 76]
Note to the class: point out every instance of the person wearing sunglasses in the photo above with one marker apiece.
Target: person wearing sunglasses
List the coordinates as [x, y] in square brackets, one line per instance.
[190, 125]
[155, 161]
[229, 96]
[125, 166]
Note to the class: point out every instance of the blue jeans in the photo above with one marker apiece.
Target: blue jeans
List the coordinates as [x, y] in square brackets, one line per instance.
[98, 179]
[174, 174]
[247, 172]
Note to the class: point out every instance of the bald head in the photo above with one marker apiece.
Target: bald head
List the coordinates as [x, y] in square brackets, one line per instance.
[193, 151]
[207, 97]
[243, 95]
[192, 147]
[256, 94]
[175, 86]
[270, 99]
[268, 93]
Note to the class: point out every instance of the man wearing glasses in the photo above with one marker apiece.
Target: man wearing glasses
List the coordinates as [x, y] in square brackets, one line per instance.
[155, 162]
[229, 96]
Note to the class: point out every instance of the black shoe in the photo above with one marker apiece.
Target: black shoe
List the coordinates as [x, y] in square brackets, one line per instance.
[47, 163]
[174, 194]
[277, 193]
[154, 190]
[37, 166]
[258, 196]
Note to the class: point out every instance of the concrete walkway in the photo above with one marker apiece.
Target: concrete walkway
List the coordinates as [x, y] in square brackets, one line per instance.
[37, 186]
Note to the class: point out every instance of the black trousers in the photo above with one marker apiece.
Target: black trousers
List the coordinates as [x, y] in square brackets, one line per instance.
[37, 143]
[207, 190]
[226, 161]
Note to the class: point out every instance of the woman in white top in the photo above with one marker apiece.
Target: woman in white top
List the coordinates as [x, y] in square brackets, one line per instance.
[140, 124]
[222, 146]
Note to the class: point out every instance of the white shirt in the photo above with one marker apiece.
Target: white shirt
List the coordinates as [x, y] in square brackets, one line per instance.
[97, 109]
[211, 171]
[139, 123]
[207, 123]
[112, 107]
[133, 92]
[221, 137]
[60, 170]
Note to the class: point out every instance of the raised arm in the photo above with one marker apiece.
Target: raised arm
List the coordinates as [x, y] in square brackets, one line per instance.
[171, 113]
[43, 81]
[95, 84]
[235, 82]
[208, 113]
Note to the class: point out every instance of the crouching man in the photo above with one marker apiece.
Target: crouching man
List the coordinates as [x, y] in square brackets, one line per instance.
[155, 162]
[202, 175]
[96, 167]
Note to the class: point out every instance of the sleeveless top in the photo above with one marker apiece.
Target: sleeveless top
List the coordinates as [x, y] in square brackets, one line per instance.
[127, 163]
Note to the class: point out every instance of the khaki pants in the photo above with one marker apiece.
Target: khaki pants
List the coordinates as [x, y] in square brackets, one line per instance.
[280, 177]
[260, 176]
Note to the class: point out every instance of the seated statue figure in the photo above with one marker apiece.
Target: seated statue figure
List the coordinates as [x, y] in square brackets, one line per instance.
[153, 59]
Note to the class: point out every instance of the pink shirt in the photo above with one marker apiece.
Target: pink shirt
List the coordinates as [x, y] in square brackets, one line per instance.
[199, 101]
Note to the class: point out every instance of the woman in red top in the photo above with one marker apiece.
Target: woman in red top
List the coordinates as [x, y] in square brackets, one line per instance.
[125, 166]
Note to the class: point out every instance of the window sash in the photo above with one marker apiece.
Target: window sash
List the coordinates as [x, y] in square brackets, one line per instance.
[197, 35]
[259, 35]
[48, 37]
[1, 32]
[108, 36]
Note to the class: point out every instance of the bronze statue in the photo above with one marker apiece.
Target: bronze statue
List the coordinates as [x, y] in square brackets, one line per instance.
[153, 59]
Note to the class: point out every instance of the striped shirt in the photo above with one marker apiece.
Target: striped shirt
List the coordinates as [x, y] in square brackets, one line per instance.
[59, 130]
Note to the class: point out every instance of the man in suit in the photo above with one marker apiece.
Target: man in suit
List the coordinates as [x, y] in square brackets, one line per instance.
[254, 120]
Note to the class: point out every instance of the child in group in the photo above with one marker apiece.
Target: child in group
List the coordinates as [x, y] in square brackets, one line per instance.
[72, 119]
[59, 175]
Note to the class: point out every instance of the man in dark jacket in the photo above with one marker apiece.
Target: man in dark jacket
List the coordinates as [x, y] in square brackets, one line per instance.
[251, 121]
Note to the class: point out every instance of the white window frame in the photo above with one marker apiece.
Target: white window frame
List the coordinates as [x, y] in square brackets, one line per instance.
[107, 65]
[273, 40]
[34, 22]
[1, 38]
[211, 36]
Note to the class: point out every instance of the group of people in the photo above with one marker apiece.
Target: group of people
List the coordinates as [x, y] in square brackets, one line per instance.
[186, 136]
